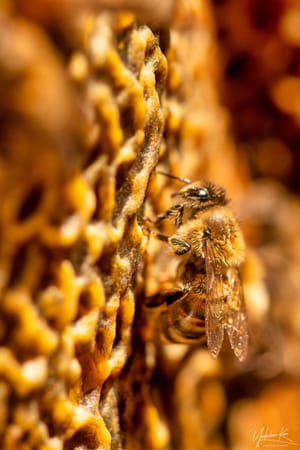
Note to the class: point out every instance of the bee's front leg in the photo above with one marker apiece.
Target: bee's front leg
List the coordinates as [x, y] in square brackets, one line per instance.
[180, 246]
[175, 213]
[148, 226]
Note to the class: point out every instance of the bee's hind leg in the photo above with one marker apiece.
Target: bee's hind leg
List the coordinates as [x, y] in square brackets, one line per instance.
[165, 298]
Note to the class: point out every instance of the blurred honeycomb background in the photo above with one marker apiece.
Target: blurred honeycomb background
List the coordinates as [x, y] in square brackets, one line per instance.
[94, 96]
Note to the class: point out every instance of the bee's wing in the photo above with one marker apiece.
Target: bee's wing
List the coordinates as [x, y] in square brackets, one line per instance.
[214, 305]
[236, 316]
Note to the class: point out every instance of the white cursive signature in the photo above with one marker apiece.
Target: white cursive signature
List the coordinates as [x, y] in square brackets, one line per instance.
[266, 438]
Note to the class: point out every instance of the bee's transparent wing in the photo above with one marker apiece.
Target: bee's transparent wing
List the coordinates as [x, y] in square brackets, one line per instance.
[236, 316]
[214, 306]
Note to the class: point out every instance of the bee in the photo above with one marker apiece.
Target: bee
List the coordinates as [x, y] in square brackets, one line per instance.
[208, 297]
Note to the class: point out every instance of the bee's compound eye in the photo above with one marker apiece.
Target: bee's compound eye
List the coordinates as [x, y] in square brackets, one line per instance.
[203, 194]
[198, 193]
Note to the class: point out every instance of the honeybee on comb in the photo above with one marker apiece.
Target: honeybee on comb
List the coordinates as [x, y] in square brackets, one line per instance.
[208, 296]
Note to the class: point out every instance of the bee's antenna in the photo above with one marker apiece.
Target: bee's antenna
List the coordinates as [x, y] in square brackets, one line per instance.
[174, 177]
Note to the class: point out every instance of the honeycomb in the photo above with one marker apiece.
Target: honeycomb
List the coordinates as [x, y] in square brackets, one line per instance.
[77, 153]
[94, 97]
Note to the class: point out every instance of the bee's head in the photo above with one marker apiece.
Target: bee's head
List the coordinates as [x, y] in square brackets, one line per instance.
[202, 195]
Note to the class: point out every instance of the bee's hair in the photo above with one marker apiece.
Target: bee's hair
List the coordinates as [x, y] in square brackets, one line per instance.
[216, 191]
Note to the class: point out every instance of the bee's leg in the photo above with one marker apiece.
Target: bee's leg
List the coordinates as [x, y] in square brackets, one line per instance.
[148, 223]
[175, 213]
[180, 246]
[155, 301]
[166, 298]
[174, 295]
[148, 228]
[161, 237]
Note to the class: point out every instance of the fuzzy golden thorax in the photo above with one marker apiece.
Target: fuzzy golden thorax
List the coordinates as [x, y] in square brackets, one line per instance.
[218, 227]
